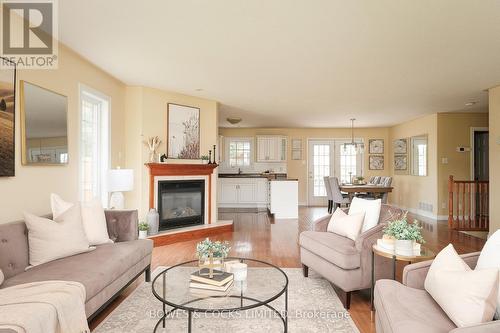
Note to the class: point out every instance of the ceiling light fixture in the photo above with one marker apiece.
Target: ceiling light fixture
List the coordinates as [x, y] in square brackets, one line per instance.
[470, 103]
[233, 121]
[359, 147]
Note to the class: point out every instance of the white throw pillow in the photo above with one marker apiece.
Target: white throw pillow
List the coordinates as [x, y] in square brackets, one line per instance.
[371, 208]
[490, 258]
[467, 296]
[53, 239]
[2, 277]
[346, 225]
[93, 218]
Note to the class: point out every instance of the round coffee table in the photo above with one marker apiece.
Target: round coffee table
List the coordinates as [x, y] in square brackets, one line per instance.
[171, 287]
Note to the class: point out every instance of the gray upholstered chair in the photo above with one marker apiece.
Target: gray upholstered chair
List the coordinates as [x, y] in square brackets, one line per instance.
[338, 198]
[326, 181]
[407, 307]
[345, 263]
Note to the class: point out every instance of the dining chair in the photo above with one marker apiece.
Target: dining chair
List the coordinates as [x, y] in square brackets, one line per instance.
[371, 180]
[329, 195]
[338, 198]
[376, 179]
[387, 183]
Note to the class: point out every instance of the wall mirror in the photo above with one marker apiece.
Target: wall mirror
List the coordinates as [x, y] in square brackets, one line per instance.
[44, 125]
[418, 146]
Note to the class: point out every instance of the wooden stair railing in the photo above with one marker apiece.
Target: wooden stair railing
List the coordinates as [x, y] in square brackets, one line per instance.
[468, 205]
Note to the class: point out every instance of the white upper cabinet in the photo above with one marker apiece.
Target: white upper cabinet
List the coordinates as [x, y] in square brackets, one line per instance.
[271, 148]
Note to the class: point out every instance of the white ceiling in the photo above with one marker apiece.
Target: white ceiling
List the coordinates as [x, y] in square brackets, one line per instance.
[286, 63]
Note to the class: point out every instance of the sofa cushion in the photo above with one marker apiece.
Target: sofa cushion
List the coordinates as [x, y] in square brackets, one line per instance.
[404, 309]
[95, 270]
[334, 248]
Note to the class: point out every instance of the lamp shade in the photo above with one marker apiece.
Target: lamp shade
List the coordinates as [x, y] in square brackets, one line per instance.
[120, 180]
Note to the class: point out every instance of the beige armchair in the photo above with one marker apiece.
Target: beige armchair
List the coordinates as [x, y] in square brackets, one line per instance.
[342, 261]
[407, 307]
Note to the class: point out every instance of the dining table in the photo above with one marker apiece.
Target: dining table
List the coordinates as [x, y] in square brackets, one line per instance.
[376, 190]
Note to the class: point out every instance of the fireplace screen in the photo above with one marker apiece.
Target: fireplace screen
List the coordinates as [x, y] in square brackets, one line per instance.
[181, 203]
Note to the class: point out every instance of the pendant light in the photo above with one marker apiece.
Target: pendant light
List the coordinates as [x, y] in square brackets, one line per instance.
[359, 147]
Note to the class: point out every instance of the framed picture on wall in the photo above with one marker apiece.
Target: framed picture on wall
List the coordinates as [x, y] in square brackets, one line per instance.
[376, 162]
[400, 162]
[183, 136]
[376, 146]
[7, 117]
[400, 146]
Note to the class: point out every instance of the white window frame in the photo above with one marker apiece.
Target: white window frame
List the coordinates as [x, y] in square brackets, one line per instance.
[105, 146]
[228, 150]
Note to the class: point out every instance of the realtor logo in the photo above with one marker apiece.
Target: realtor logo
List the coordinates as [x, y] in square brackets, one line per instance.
[29, 33]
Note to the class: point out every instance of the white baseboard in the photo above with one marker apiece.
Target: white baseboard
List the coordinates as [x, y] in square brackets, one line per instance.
[423, 213]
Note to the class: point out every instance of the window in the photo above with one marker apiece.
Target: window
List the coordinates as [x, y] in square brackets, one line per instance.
[94, 145]
[348, 163]
[321, 156]
[240, 152]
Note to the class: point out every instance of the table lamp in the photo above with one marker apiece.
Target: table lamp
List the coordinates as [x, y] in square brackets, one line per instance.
[119, 180]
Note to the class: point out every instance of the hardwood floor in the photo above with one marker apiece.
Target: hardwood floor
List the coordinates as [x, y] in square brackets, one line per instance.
[258, 236]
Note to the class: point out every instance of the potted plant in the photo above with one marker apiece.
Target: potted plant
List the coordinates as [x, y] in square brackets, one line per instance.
[360, 180]
[143, 230]
[406, 235]
[204, 159]
[212, 254]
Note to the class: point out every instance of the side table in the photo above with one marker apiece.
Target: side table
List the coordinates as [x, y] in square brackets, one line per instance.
[425, 254]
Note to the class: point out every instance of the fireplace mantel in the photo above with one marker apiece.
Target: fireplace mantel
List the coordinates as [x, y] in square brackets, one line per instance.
[165, 169]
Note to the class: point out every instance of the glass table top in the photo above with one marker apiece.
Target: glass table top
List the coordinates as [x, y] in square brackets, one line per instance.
[263, 284]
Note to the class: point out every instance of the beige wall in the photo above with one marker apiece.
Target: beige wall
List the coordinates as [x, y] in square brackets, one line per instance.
[146, 115]
[454, 130]
[29, 190]
[410, 190]
[494, 121]
[298, 168]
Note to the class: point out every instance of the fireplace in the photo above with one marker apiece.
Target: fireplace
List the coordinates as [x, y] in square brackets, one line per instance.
[181, 203]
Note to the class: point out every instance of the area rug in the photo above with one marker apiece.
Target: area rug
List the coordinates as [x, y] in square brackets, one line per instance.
[312, 303]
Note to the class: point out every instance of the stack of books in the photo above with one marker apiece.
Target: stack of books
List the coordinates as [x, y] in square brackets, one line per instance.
[221, 281]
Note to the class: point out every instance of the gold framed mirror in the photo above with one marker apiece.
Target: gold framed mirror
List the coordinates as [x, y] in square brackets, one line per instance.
[44, 126]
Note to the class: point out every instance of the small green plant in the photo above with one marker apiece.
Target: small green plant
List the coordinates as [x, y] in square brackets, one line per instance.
[360, 178]
[218, 249]
[204, 157]
[401, 229]
[143, 226]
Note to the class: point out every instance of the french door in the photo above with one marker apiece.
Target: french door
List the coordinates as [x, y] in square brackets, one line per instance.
[330, 158]
[320, 159]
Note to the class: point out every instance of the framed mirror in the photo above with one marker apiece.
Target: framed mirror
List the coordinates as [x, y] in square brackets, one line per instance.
[418, 146]
[44, 126]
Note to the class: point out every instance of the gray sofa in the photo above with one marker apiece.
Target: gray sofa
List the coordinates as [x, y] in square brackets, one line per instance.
[407, 307]
[342, 261]
[104, 272]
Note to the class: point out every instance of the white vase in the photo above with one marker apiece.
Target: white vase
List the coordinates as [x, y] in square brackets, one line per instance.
[404, 247]
[143, 234]
[153, 219]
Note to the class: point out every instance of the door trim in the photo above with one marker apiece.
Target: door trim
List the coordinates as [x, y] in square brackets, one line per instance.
[473, 130]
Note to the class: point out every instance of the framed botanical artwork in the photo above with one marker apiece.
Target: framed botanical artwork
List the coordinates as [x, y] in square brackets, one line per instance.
[400, 146]
[7, 117]
[376, 162]
[376, 146]
[183, 136]
[400, 162]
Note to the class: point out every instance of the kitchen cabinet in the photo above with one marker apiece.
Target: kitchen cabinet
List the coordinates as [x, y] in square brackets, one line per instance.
[242, 192]
[271, 148]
